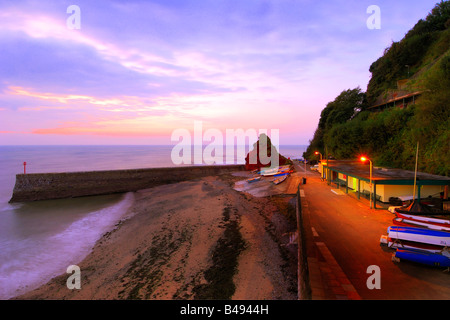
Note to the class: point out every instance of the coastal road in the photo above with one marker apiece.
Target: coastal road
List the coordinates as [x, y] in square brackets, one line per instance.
[350, 231]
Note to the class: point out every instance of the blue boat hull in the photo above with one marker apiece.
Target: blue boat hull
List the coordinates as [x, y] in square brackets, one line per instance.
[421, 231]
[423, 257]
[422, 235]
[281, 174]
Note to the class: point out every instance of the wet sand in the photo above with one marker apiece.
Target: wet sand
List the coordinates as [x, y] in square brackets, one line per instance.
[196, 239]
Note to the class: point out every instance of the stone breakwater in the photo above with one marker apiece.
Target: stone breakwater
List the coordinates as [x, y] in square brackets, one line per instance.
[47, 186]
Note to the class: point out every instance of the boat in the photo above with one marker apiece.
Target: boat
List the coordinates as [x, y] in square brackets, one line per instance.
[396, 243]
[421, 235]
[420, 209]
[266, 172]
[275, 171]
[280, 179]
[282, 173]
[398, 221]
[424, 257]
[424, 220]
[253, 179]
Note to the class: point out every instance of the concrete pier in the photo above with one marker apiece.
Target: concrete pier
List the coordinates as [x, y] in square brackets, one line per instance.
[47, 186]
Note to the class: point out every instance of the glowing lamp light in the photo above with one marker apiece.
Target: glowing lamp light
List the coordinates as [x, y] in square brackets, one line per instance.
[318, 153]
[363, 159]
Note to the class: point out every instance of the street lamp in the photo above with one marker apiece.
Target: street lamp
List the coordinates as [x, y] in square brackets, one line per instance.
[322, 172]
[317, 153]
[364, 159]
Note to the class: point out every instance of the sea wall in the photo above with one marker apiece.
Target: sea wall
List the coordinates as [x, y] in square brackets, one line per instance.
[46, 186]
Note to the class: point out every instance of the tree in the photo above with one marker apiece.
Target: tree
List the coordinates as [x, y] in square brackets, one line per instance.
[342, 109]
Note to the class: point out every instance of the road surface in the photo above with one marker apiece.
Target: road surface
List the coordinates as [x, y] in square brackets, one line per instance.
[350, 231]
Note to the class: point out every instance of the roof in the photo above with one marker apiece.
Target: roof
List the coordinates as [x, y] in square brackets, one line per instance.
[406, 96]
[360, 170]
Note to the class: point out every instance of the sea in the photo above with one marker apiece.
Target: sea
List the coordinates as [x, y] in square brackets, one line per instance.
[40, 240]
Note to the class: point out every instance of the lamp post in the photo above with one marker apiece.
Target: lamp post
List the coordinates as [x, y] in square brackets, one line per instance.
[321, 165]
[415, 176]
[364, 159]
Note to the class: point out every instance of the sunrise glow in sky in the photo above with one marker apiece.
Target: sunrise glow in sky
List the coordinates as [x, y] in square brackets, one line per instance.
[138, 70]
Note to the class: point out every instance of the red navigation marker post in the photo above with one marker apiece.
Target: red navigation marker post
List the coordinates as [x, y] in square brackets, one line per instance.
[24, 168]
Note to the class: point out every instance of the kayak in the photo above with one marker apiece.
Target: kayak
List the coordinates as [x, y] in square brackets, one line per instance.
[435, 237]
[396, 243]
[443, 222]
[275, 173]
[424, 257]
[280, 179]
[415, 223]
[282, 173]
[268, 171]
[253, 179]
[424, 219]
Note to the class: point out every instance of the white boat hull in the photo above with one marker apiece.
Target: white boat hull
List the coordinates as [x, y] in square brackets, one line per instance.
[439, 238]
[394, 244]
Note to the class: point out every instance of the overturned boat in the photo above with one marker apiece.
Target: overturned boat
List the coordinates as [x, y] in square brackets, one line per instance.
[420, 235]
[421, 222]
[423, 257]
[254, 179]
[280, 179]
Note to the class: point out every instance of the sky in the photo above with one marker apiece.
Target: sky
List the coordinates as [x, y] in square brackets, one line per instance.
[135, 71]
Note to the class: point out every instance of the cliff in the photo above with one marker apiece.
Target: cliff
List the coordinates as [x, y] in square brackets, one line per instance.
[374, 124]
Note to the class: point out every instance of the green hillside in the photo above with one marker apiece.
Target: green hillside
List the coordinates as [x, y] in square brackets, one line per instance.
[348, 127]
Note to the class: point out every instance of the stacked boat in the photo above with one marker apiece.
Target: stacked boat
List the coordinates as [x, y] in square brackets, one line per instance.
[280, 179]
[280, 174]
[277, 171]
[255, 179]
[409, 220]
[419, 238]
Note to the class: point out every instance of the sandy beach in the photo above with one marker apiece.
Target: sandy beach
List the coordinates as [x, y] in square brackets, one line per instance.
[198, 239]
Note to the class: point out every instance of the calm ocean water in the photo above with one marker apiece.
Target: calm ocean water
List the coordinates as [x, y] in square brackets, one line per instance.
[40, 240]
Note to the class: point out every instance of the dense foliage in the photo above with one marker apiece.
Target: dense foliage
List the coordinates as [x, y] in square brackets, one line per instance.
[421, 46]
[346, 129]
[343, 108]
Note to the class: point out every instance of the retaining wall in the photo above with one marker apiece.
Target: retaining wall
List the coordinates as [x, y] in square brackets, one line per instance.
[46, 186]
